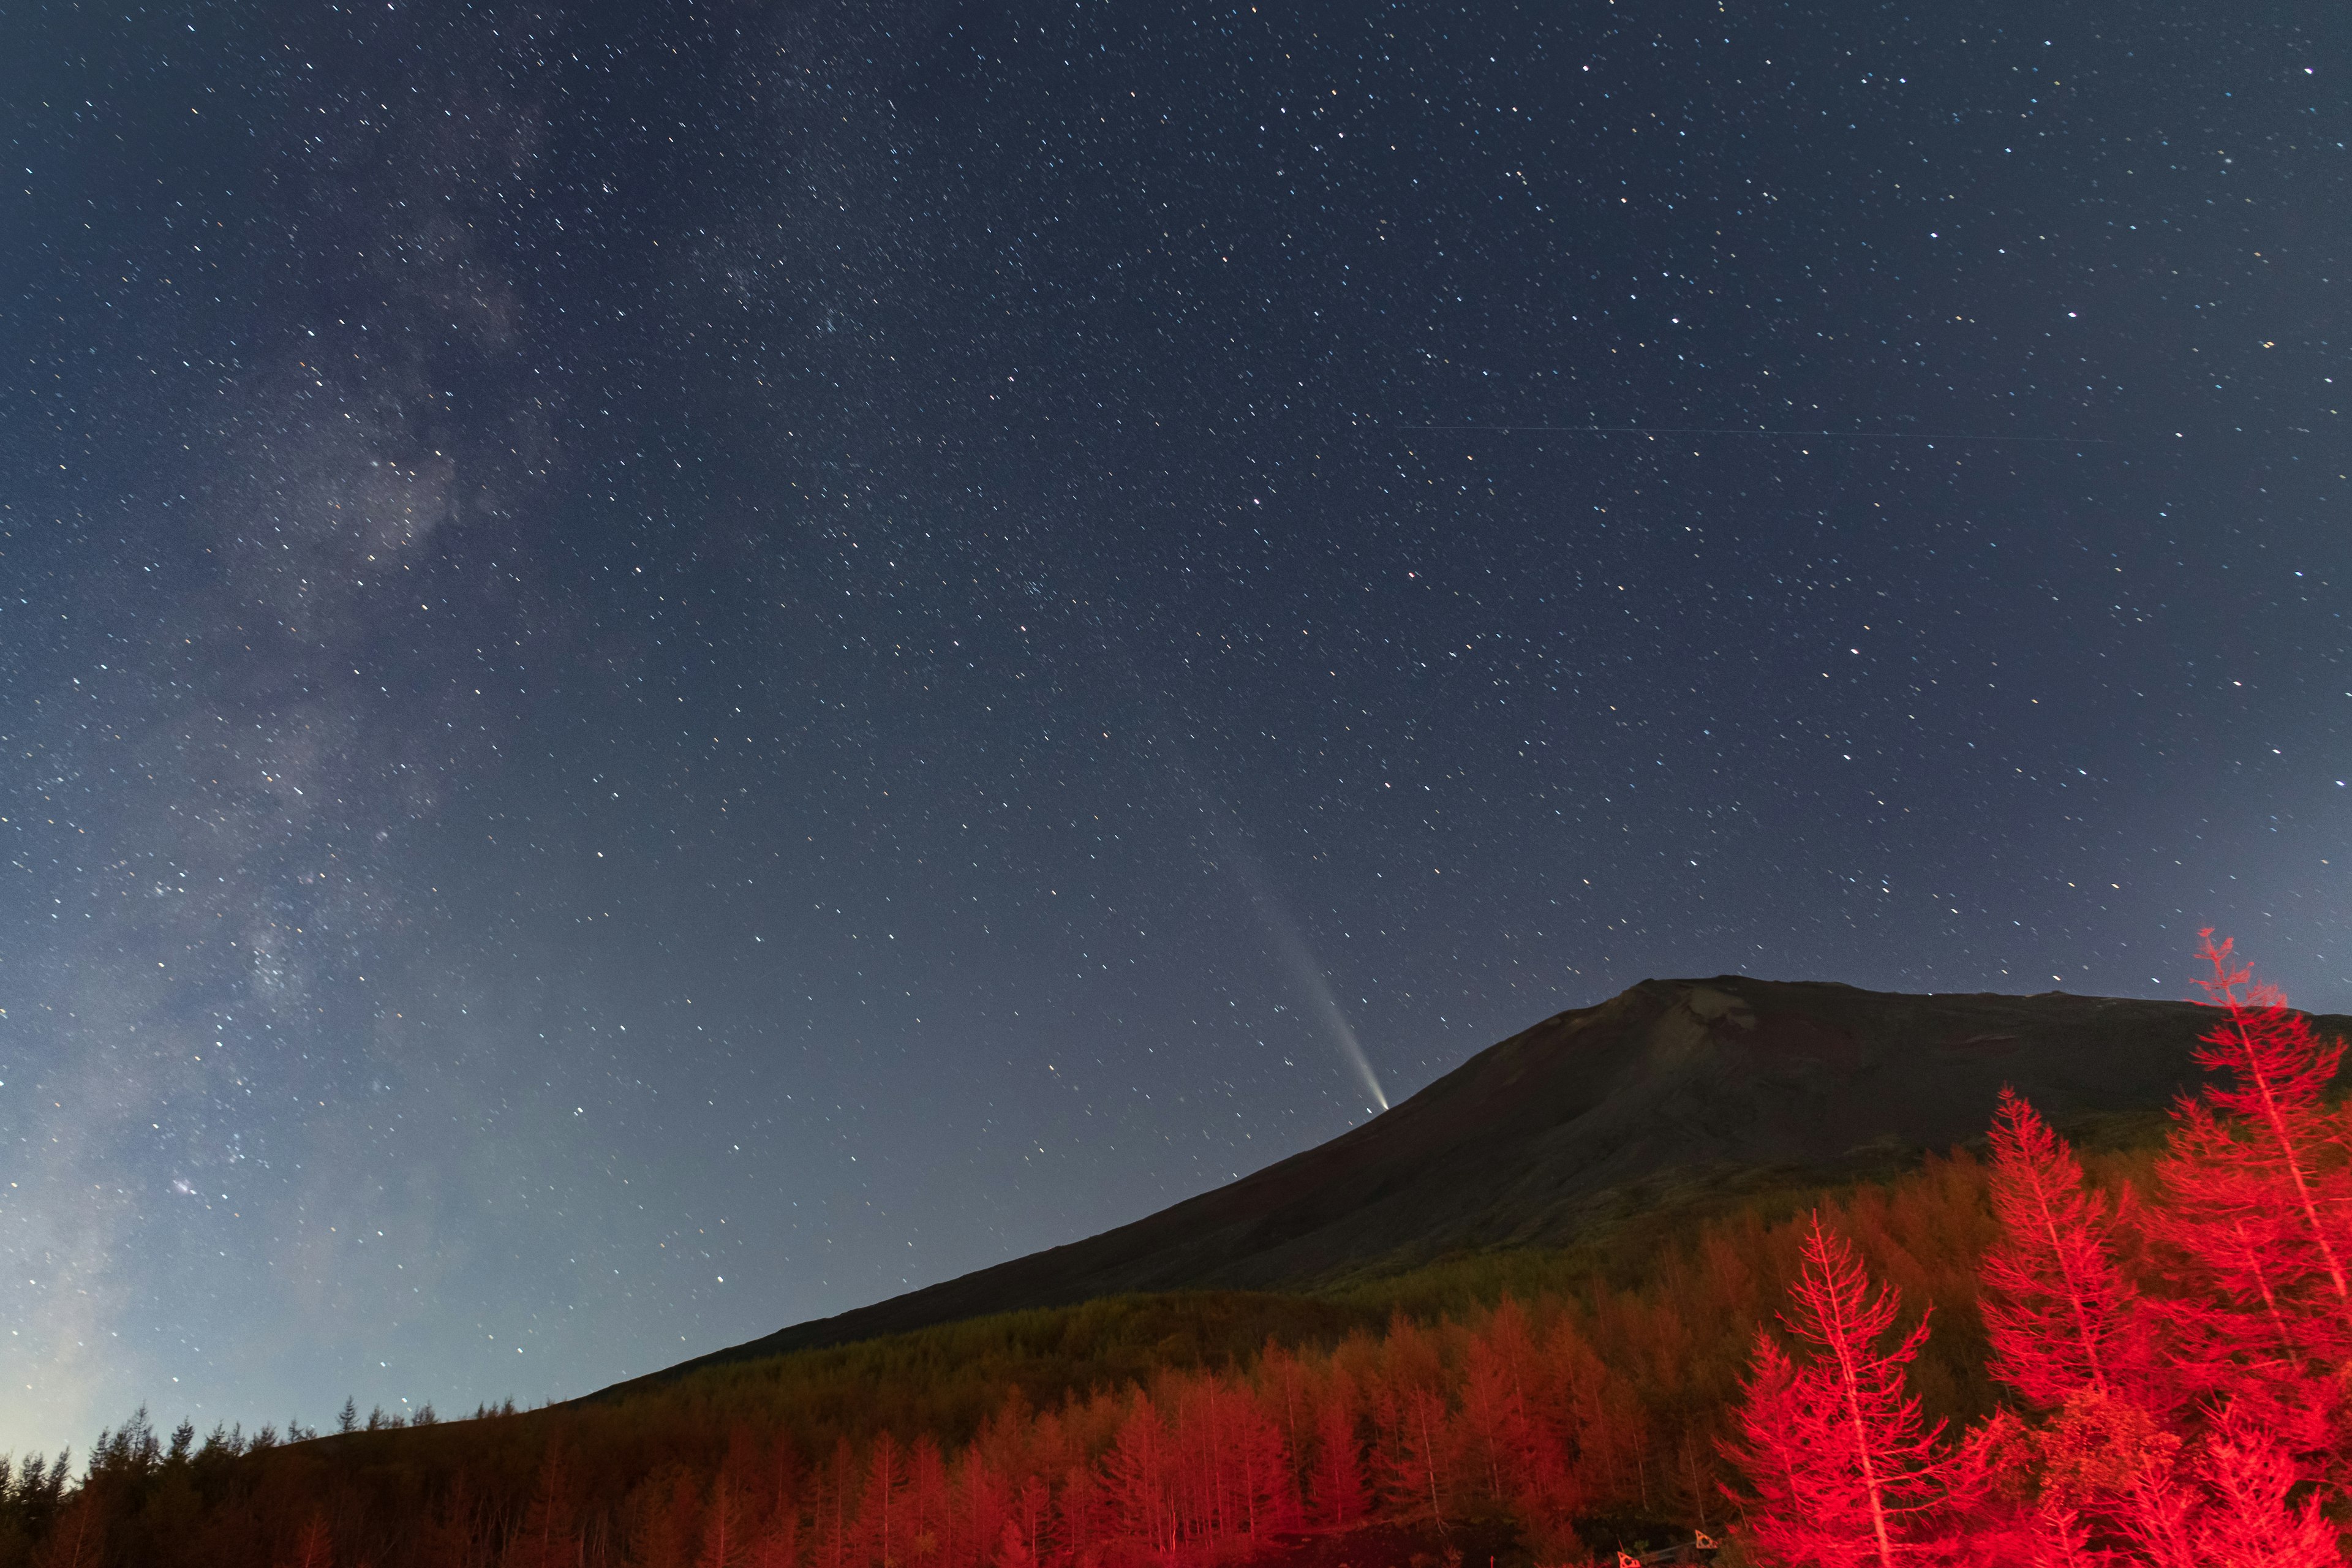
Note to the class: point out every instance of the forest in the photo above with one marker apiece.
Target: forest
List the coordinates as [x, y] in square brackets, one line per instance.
[2129, 1354]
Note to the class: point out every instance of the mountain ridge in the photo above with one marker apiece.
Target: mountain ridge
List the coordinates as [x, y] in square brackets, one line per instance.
[1532, 1140]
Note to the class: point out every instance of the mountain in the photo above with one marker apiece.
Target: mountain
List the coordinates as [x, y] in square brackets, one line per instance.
[1595, 1113]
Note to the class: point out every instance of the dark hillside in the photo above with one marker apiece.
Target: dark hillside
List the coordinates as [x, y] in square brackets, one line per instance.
[1592, 1113]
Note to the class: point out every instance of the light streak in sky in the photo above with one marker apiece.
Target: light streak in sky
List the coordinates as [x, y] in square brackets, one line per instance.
[1303, 968]
[1227, 835]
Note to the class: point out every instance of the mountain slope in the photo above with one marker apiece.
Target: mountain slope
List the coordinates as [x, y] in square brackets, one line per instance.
[1533, 1139]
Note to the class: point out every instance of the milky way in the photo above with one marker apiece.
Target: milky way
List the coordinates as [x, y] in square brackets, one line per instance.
[670, 668]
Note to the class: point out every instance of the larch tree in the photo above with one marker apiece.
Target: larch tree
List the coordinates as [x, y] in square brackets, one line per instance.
[2256, 1207]
[2234, 1506]
[1137, 1475]
[1844, 1470]
[2251, 1516]
[880, 1542]
[1340, 1491]
[2059, 1313]
[546, 1538]
[1499, 1431]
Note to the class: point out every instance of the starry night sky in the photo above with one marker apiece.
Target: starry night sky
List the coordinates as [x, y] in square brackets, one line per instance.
[669, 669]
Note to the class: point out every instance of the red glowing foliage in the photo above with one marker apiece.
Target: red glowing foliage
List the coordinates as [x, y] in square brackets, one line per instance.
[2250, 1518]
[1138, 1472]
[2256, 1208]
[882, 1505]
[2059, 1313]
[1503, 1441]
[1339, 1493]
[314, 1548]
[2177, 1359]
[1845, 1469]
[2233, 1505]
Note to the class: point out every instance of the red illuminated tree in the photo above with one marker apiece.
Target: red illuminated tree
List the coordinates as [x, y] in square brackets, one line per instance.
[1081, 1514]
[977, 1507]
[2059, 1313]
[1258, 1465]
[881, 1534]
[1500, 1430]
[314, 1548]
[2257, 1207]
[1341, 1497]
[777, 1543]
[547, 1537]
[1843, 1470]
[664, 1514]
[2249, 1480]
[2233, 1505]
[726, 1539]
[1602, 1429]
[1418, 1430]
[1139, 1473]
[927, 1501]
[832, 1507]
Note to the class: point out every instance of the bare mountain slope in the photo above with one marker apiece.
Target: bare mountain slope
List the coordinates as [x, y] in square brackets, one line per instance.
[1531, 1138]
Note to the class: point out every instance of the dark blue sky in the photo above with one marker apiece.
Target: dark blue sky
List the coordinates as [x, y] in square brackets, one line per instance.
[672, 668]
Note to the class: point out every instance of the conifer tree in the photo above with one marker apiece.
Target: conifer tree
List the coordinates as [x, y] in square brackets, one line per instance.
[546, 1538]
[1282, 1388]
[313, 1548]
[726, 1544]
[2256, 1207]
[886, 1478]
[777, 1543]
[2059, 1315]
[664, 1513]
[833, 1506]
[1339, 1493]
[927, 1501]
[2249, 1478]
[979, 1507]
[1080, 1513]
[2232, 1506]
[1600, 1424]
[1843, 1470]
[1500, 1430]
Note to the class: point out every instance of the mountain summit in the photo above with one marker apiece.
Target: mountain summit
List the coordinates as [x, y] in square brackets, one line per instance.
[1594, 1112]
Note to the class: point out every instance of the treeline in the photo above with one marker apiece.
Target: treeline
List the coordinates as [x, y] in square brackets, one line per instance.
[2143, 1364]
[1578, 1414]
